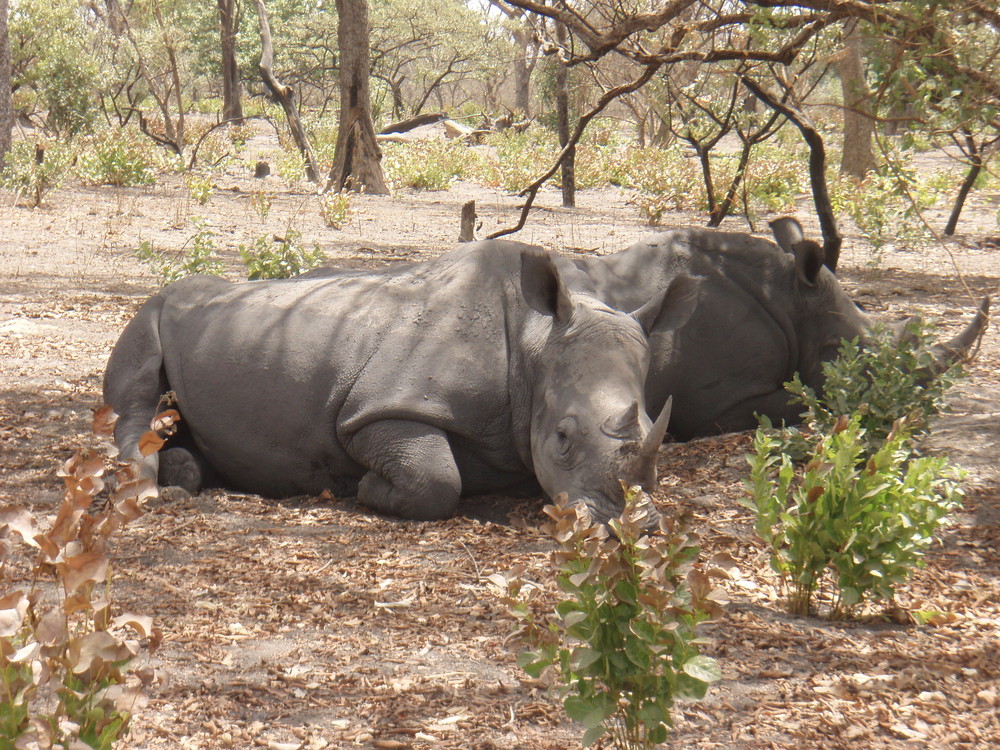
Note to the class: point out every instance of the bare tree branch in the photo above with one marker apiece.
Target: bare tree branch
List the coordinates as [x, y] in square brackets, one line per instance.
[609, 96]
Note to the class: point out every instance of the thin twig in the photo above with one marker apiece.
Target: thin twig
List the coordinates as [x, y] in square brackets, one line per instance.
[609, 96]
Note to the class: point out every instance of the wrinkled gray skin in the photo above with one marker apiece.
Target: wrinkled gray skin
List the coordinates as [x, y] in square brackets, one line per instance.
[410, 386]
[763, 313]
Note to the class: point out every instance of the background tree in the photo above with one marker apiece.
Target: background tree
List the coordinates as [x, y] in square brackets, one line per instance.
[54, 68]
[356, 161]
[423, 51]
[232, 107]
[857, 158]
[6, 100]
[283, 94]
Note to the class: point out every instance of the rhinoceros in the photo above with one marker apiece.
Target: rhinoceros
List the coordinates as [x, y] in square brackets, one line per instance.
[410, 386]
[764, 312]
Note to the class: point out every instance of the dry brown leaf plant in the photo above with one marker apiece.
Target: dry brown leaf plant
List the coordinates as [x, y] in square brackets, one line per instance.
[66, 653]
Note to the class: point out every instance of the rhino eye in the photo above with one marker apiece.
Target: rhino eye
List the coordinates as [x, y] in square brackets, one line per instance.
[565, 431]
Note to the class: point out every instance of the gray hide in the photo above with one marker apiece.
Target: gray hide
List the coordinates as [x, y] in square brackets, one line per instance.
[762, 315]
[410, 386]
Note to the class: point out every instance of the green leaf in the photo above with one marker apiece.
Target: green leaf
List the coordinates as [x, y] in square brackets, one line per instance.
[583, 657]
[592, 735]
[588, 711]
[703, 668]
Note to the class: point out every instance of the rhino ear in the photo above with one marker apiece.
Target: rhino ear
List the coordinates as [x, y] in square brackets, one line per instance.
[809, 257]
[787, 231]
[671, 309]
[541, 286]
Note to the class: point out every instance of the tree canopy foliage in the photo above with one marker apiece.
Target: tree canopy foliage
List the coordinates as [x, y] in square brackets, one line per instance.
[669, 71]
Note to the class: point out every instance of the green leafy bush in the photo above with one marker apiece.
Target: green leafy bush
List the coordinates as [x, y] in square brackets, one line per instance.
[663, 180]
[334, 208]
[260, 202]
[63, 649]
[882, 381]
[201, 258]
[200, 187]
[425, 165]
[855, 521]
[518, 158]
[36, 169]
[621, 642]
[886, 206]
[279, 257]
[290, 165]
[774, 179]
[117, 157]
[55, 61]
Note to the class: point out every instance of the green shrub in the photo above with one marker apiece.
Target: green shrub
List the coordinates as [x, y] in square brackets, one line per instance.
[63, 648]
[520, 158]
[280, 257]
[117, 157]
[36, 169]
[622, 641]
[260, 202]
[238, 135]
[884, 380]
[290, 165]
[201, 258]
[856, 521]
[56, 63]
[773, 179]
[663, 179]
[201, 187]
[881, 208]
[425, 165]
[334, 208]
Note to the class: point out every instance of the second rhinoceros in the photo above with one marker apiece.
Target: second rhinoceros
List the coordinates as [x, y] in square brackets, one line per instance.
[410, 386]
[764, 313]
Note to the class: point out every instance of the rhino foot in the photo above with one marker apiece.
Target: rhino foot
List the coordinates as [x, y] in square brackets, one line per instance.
[180, 468]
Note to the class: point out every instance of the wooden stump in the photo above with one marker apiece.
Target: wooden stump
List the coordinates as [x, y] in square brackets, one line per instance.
[468, 231]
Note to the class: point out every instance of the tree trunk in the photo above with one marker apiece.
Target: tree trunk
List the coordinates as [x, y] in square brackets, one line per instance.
[523, 63]
[832, 239]
[6, 100]
[562, 116]
[857, 158]
[977, 159]
[283, 93]
[232, 108]
[356, 160]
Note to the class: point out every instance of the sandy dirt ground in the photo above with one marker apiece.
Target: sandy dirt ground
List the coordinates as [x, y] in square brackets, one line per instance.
[312, 623]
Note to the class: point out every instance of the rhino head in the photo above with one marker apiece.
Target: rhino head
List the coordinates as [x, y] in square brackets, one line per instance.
[828, 315]
[589, 432]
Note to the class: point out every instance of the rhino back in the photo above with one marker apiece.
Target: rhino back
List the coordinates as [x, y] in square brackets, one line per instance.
[740, 344]
[274, 378]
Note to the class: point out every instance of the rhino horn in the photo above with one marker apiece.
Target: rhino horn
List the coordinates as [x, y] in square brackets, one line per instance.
[654, 438]
[956, 350]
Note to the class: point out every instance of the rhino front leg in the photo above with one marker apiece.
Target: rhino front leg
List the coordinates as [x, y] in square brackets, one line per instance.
[412, 471]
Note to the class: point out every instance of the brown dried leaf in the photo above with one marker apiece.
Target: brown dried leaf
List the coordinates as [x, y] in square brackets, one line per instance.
[76, 602]
[165, 420]
[150, 443]
[99, 647]
[21, 521]
[13, 607]
[142, 624]
[104, 422]
[87, 567]
[51, 629]
[25, 652]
